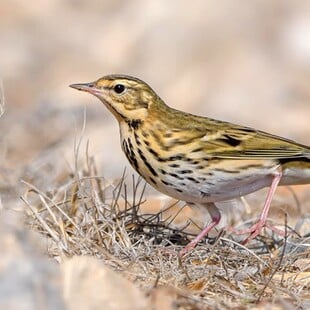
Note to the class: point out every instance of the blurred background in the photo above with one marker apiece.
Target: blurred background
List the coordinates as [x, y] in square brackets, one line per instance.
[246, 62]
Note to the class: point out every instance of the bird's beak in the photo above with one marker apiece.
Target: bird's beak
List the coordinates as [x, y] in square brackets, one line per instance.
[88, 87]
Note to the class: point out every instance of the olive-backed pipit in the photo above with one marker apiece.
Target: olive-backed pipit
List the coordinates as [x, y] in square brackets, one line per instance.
[197, 159]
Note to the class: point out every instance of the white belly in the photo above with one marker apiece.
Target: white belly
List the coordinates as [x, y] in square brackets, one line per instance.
[214, 189]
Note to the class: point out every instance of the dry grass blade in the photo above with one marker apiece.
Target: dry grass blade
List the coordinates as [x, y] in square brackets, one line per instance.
[251, 252]
[42, 221]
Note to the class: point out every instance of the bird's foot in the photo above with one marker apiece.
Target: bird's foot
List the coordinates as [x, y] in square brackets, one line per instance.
[188, 247]
[255, 230]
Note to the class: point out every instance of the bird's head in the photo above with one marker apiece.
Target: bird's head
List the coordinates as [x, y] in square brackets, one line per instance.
[128, 98]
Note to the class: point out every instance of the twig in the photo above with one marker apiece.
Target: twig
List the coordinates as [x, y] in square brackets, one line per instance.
[279, 263]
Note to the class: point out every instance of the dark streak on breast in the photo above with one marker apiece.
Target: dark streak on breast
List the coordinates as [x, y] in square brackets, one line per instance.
[174, 175]
[209, 173]
[185, 171]
[193, 180]
[154, 153]
[166, 183]
[147, 164]
[200, 167]
[128, 150]
[174, 165]
[134, 123]
[147, 143]
[176, 157]
[152, 180]
[201, 179]
[137, 139]
[206, 159]
[190, 160]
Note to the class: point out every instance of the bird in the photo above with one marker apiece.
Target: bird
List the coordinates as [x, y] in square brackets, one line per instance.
[196, 159]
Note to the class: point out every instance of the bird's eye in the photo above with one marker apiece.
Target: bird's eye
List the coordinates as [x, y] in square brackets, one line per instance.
[119, 88]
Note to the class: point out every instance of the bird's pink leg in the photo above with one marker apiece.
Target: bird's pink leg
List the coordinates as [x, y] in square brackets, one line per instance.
[257, 227]
[215, 217]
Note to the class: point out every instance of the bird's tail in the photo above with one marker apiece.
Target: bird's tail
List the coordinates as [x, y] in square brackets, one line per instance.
[296, 171]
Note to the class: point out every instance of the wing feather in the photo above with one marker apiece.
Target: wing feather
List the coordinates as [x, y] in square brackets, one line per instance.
[248, 143]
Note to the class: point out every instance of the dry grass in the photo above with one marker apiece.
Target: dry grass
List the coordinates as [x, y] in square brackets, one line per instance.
[87, 215]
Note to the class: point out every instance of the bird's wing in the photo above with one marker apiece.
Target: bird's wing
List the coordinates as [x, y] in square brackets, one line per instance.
[242, 142]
